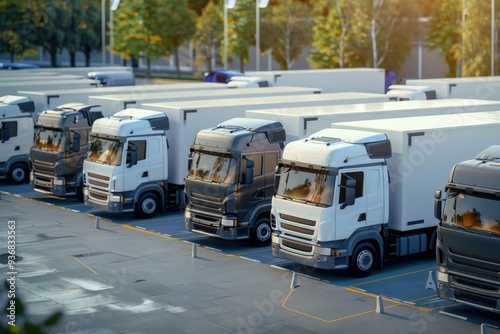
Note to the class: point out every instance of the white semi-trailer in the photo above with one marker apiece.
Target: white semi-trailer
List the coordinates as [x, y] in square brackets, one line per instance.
[301, 122]
[367, 80]
[115, 103]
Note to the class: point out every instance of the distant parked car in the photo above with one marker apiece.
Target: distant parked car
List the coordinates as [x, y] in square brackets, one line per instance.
[17, 66]
[221, 76]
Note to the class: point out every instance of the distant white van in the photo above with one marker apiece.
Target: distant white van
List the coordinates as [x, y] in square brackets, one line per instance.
[113, 78]
[407, 92]
[247, 82]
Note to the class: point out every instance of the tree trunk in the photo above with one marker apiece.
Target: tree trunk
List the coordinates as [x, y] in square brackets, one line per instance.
[53, 58]
[72, 58]
[177, 65]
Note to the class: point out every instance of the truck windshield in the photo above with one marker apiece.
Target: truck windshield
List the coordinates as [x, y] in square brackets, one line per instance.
[472, 211]
[105, 151]
[312, 186]
[213, 167]
[49, 139]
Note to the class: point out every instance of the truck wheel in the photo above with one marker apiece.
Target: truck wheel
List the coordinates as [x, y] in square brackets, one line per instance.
[363, 260]
[17, 174]
[79, 193]
[261, 232]
[147, 206]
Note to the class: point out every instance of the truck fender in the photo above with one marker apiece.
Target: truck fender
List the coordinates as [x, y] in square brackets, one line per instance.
[150, 187]
[256, 212]
[24, 159]
[366, 234]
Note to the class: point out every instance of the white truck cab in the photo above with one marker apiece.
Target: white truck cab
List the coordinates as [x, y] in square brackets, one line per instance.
[16, 137]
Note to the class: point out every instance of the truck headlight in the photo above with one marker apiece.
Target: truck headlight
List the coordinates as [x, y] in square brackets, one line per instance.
[229, 222]
[59, 182]
[322, 251]
[115, 198]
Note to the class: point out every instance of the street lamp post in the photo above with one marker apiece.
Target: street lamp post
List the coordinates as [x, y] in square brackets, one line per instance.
[228, 4]
[258, 4]
[492, 37]
[103, 31]
[113, 6]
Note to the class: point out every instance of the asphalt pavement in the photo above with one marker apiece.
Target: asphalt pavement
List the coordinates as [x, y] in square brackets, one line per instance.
[122, 275]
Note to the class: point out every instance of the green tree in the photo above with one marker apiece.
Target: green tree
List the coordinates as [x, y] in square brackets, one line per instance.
[44, 28]
[198, 5]
[90, 41]
[74, 24]
[241, 30]
[371, 33]
[12, 30]
[475, 53]
[444, 33]
[387, 30]
[209, 31]
[181, 23]
[287, 29]
[152, 29]
[334, 44]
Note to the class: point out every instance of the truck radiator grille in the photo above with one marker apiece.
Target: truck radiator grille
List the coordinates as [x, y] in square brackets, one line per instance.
[202, 202]
[98, 187]
[98, 196]
[43, 166]
[297, 227]
[484, 268]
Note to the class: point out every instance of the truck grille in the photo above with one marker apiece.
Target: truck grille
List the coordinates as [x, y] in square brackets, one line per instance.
[203, 202]
[298, 227]
[475, 277]
[43, 166]
[297, 246]
[99, 187]
[42, 182]
[206, 212]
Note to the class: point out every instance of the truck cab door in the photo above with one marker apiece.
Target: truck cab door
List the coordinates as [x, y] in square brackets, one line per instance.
[136, 172]
[350, 217]
[254, 192]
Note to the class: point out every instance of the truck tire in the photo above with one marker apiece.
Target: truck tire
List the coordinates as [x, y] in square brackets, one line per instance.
[17, 174]
[363, 260]
[147, 206]
[261, 232]
[79, 193]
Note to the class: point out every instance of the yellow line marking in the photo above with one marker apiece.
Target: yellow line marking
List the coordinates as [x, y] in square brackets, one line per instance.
[148, 232]
[330, 320]
[395, 276]
[421, 308]
[65, 257]
[83, 264]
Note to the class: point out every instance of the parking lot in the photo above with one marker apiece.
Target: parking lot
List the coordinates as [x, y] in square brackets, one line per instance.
[404, 284]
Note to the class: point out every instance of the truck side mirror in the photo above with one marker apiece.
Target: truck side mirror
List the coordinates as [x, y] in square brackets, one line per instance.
[4, 133]
[76, 142]
[438, 205]
[248, 172]
[190, 162]
[277, 177]
[133, 156]
[350, 192]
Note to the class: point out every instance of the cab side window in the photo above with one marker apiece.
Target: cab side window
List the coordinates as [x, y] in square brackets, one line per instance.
[359, 177]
